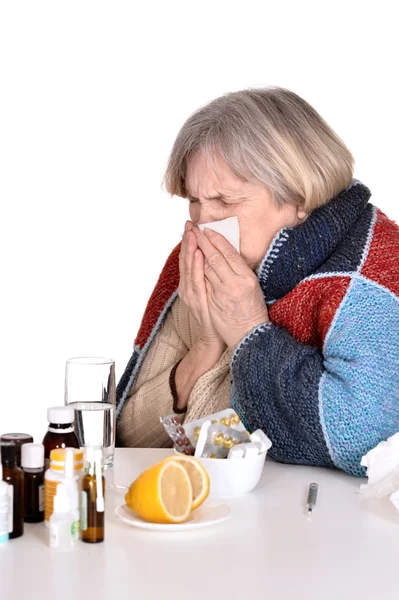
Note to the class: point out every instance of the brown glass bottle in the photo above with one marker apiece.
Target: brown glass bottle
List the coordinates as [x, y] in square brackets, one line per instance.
[32, 460]
[60, 432]
[14, 476]
[92, 522]
[92, 516]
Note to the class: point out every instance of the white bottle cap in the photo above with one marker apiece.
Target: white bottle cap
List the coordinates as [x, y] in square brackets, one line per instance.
[62, 503]
[32, 456]
[60, 414]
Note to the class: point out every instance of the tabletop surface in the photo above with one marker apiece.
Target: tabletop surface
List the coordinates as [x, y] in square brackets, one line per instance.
[348, 548]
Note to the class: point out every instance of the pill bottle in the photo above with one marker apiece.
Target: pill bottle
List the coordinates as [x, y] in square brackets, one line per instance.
[58, 472]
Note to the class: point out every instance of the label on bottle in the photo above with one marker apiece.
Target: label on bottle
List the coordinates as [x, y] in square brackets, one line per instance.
[50, 489]
[10, 508]
[75, 530]
[41, 497]
[83, 518]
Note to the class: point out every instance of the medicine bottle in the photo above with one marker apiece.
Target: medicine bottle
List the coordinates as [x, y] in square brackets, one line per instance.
[57, 473]
[60, 432]
[14, 477]
[93, 490]
[61, 521]
[32, 461]
[5, 508]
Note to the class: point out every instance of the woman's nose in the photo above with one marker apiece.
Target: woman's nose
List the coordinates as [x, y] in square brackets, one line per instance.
[206, 216]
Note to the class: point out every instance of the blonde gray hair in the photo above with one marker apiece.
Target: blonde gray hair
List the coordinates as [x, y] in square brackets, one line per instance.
[269, 136]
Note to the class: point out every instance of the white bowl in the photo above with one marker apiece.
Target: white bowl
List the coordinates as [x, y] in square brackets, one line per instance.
[235, 476]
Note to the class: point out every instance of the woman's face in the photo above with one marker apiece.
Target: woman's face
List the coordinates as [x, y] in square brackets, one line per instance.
[215, 193]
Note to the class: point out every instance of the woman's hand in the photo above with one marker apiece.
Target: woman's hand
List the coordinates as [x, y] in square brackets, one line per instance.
[192, 290]
[234, 297]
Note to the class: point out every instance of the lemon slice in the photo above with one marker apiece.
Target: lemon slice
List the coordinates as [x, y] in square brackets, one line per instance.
[198, 476]
[161, 494]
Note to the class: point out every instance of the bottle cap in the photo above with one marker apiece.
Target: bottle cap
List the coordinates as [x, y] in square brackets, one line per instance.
[8, 453]
[57, 459]
[19, 439]
[62, 503]
[61, 415]
[32, 456]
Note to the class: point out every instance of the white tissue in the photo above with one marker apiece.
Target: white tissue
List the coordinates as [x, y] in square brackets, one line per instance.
[382, 465]
[382, 460]
[383, 487]
[229, 228]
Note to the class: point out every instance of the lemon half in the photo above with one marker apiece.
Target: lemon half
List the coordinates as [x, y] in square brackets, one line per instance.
[162, 494]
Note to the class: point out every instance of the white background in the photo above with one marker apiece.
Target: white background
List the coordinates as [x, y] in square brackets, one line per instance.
[92, 95]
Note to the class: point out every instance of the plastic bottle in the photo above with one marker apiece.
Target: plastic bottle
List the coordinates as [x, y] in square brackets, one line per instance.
[19, 439]
[93, 490]
[14, 477]
[73, 484]
[32, 460]
[5, 508]
[60, 432]
[61, 521]
[60, 472]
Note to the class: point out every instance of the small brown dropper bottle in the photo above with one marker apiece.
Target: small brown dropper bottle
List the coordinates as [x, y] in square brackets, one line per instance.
[93, 490]
[32, 460]
[14, 477]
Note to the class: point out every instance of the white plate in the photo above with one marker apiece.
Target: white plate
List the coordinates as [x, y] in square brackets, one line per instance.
[205, 516]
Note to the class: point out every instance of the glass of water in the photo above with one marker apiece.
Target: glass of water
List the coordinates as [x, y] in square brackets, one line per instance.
[90, 390]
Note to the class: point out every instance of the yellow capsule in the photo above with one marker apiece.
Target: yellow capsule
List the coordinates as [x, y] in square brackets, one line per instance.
[246, 432]
[215, 421]
[235, 420]
[218, 439]
[212, 455]
[228, 443]
[225, 421]
[197, 432]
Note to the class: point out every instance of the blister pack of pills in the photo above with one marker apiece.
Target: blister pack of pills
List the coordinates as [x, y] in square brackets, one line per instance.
[176, 432]
[215, 440]
[227, 417]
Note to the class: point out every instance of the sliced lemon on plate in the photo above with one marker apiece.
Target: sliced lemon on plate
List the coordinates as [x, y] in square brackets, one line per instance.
[162, 494]
[198, 476]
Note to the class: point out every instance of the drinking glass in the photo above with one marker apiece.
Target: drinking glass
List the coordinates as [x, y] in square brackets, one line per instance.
[90, 390]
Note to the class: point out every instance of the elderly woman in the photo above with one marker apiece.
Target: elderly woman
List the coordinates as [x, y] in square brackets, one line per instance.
[299, 332]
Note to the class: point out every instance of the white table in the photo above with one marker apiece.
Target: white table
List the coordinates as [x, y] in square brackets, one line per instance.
[269, 548]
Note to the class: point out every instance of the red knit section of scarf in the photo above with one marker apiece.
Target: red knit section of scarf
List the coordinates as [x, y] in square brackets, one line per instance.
[167, 284]
[308, 310]
[382, 263]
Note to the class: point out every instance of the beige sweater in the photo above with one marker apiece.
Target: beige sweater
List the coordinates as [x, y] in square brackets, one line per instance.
[151, 398]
